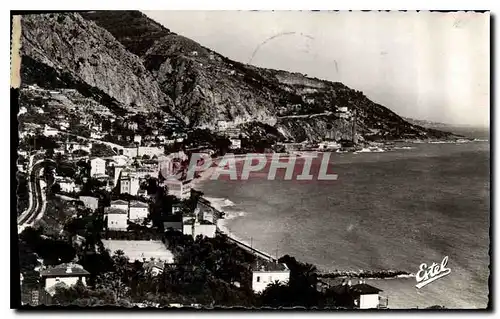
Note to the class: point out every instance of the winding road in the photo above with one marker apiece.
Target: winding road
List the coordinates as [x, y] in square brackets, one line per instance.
[37, 198]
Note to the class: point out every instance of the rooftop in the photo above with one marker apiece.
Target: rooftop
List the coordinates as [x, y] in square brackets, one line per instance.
[64, 270]
[119, 202]
[114, 210]
[365, 289]
[269, 266]
[138, 204]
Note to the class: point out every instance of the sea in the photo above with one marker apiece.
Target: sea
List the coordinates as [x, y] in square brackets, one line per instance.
[414, 204]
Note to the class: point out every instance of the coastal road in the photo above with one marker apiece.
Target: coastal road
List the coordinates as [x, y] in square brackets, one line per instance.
[304, 115]
[37, 200]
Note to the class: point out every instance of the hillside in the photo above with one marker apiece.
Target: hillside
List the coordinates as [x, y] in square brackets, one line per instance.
[130, 62]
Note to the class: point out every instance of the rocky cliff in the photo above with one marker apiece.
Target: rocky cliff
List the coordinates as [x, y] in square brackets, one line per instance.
[69, 44]
[142, 66]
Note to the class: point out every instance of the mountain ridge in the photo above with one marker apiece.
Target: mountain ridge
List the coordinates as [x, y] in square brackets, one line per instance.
[144, 66]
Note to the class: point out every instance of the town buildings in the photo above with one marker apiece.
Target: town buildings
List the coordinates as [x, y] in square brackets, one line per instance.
[195, 226]
[140, 151]
[121, 212]
[64, 275]
[266, 273]
[129, 184]
[179, 188]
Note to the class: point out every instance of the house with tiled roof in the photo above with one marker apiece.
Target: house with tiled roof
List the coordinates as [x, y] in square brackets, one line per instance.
[120, 204]
[138, 211]
[359, 296]
[64, 275]
[265, 273]
[117, 218]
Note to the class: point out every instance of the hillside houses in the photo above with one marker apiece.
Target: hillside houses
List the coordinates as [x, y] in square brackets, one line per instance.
[63, 275]
[121, 212]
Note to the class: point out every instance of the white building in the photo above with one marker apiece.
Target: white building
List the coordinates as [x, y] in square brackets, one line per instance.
[49, 131]
[129, 184]
[265, 273]
[151, 151]
[117, 218]
[367, 297]
[328, 145]
[235, 143]
[138, 211]
[64, 275]
[363, 296]
[130, 151]
[97, 167]
[119, 204]
[137, 139]
[179, 189]
[195, 227]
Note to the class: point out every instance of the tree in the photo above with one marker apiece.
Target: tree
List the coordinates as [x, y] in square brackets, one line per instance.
[55, 188]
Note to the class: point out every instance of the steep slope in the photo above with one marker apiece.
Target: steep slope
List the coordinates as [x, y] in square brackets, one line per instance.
[125, 60]
[89, 54]
[206, 87]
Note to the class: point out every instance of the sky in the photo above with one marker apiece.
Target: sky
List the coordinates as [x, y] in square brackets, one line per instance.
[431, 66]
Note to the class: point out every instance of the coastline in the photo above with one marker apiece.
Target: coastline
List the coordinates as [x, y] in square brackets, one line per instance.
[400, 289]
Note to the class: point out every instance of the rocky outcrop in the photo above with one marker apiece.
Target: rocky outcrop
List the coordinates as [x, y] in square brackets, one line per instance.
[68, 43]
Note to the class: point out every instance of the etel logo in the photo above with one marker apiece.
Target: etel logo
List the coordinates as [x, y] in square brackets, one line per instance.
[426, 275]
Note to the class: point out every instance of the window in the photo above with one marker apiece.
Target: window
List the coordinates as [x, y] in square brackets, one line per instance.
[258, 278]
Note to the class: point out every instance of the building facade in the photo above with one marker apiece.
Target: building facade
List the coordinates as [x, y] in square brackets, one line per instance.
[97, 167]
[179, 189]
[117, 219]
[63, 275]
[138, 211]
[268, 273]
[129, 185]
